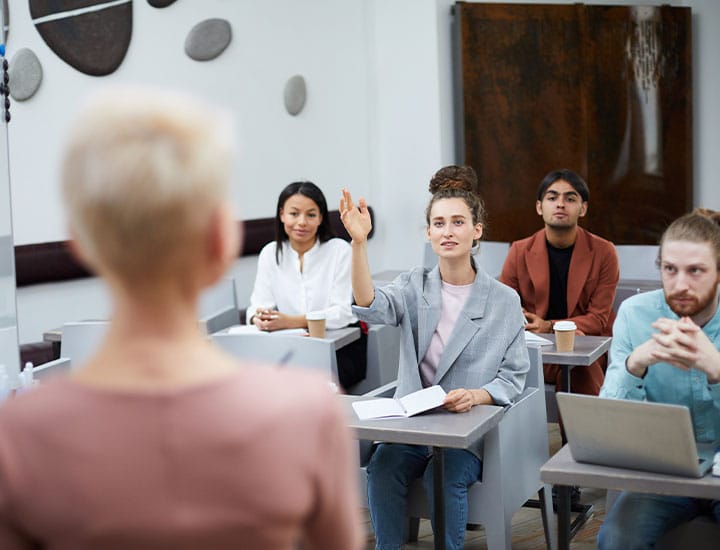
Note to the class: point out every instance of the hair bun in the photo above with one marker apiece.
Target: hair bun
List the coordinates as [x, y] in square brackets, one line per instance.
[454, 177]
[712, 215]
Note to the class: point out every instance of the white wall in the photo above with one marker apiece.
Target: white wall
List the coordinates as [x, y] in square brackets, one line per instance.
[328, 143]
[324, 40]
[379, 118]
[706, 83]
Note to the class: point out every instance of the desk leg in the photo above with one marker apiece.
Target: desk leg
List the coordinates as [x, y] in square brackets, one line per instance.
[565, 379]
[584, 511]
[563, 510]
[564, 386]
[439, 497]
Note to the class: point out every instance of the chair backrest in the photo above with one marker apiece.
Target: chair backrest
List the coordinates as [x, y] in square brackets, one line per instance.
[629, 287]
[638, 262]
[218, 307]
[535, 378]
[290, 349]
[81, 339]
[52, 368]
[383, 358]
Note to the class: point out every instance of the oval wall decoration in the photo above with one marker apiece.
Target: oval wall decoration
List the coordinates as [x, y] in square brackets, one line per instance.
[25, 74]
[91, 36]
[208, 39]
[160, 3]
[295, 94]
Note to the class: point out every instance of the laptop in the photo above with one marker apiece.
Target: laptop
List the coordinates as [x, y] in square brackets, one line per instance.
[637, 435]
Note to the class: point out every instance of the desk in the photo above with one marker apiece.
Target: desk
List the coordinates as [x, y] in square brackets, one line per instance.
[341, 337]
[437, 430]
[588, 349]
[563, 471]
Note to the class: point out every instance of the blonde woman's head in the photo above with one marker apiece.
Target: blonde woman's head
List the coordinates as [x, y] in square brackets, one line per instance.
[144, 176]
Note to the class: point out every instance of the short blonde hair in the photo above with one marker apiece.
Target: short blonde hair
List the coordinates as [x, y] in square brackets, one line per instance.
[143, 172]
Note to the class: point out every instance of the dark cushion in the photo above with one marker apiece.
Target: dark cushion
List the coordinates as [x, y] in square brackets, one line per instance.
[53, 262]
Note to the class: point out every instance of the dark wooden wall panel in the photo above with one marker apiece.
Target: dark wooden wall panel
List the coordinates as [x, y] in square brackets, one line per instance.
[603, 90]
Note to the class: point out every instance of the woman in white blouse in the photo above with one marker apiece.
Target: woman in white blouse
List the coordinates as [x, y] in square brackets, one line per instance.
[306, 269]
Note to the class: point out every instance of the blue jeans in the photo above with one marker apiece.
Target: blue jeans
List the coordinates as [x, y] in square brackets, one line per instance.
[637, 520]
[392, 470]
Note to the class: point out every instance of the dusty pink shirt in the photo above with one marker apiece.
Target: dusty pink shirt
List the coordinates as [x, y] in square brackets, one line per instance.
[260, 459]
[453, 300]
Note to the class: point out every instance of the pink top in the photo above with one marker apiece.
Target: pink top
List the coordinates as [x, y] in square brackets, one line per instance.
[259, 459]
[453, 298]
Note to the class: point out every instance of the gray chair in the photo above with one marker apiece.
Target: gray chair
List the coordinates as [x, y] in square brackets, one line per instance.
[53, 368]
[383, 358]
[79, 342]
[218, 307]
[292, 350]
[81, 339]
[513, 454]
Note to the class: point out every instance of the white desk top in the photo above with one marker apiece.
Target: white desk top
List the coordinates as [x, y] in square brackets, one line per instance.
[561, 469]
[437, 429]
[340, 336]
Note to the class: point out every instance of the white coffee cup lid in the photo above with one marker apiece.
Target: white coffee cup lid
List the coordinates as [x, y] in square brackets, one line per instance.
[565, 325]
[315, 315]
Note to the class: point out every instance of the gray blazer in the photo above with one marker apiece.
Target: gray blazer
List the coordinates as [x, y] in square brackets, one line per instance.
[486, 348]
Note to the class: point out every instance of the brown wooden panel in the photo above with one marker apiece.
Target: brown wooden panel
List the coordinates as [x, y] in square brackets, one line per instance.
[640, 120]
[523, 115]
[602, 90]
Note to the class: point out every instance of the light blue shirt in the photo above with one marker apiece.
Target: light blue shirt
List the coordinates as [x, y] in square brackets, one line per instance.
[663, 383]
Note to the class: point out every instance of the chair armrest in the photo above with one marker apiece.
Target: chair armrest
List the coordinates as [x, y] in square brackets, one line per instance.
[52, 368]
[386, 390]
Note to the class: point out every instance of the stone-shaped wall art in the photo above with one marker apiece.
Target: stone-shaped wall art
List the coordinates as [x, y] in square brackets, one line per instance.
[208, 39]
[25, 74]
[89, 38]
[160, 3]
[295, 95]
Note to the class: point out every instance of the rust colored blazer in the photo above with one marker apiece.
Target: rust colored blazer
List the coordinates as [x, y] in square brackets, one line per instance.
[592, 279]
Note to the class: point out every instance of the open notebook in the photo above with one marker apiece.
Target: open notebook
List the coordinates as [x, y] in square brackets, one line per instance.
[535, 340]
[388, 407]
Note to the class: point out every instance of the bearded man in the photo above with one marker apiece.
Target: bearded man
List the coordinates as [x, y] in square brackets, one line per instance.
[665, 350]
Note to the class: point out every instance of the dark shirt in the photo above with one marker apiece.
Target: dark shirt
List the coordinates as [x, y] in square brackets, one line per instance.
[559, 259]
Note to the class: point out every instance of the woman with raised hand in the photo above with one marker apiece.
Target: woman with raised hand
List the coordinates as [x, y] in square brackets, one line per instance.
[307, 269]
[460, 329]
[161, 440]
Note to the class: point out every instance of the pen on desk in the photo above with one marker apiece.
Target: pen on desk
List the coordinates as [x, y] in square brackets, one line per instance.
[285, 358]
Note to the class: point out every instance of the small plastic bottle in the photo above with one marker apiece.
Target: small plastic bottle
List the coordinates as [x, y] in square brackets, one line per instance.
[27, 380]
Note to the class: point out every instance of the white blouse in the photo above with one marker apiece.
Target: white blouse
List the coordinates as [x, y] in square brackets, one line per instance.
[323, 285]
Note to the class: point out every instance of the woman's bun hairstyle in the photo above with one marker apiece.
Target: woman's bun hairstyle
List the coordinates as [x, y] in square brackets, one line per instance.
[712, 215]
[454, 177]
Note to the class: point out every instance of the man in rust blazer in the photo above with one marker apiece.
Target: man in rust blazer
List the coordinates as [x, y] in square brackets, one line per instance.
[565, 272]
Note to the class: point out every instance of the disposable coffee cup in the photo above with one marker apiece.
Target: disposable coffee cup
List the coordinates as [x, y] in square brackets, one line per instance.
[565, 335]
[316, 323]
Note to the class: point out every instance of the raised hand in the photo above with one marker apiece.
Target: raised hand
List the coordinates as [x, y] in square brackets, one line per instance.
[355, 219]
